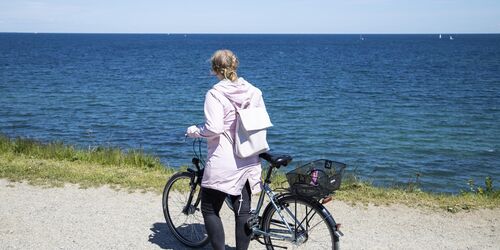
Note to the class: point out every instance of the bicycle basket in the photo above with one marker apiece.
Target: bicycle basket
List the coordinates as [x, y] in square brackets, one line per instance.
[316, 179]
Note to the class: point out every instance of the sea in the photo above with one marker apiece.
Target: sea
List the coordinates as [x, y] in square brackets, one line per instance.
[397, 109]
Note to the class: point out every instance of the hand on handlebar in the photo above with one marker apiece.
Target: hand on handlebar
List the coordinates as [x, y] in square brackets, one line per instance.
[193, 132]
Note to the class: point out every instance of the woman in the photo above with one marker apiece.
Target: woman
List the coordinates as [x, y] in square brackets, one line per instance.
[225, 173]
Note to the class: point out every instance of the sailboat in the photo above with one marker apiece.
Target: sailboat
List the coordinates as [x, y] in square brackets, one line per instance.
[451, 38]
[440, 36]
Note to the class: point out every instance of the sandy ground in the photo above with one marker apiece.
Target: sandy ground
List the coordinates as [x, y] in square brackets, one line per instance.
[34, 217]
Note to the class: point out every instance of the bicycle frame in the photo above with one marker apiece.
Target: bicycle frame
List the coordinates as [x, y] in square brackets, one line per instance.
[287, 217]
[267, 191]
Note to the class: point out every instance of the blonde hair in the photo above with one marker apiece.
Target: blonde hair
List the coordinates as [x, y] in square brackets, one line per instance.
[225, 63]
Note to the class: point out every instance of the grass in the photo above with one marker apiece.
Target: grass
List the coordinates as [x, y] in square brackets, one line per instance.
[355, 192]
[62, 152]
[55, 164]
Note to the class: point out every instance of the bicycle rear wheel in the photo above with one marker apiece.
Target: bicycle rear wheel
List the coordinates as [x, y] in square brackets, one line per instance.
[309, 225]
[181, 208]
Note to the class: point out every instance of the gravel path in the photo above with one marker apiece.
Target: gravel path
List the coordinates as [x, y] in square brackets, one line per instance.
[33, 217]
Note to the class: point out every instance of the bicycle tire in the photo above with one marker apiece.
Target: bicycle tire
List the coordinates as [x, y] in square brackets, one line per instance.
[184, 220]
[311, 230]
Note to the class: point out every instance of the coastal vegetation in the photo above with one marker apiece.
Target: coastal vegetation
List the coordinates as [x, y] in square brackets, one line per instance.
[55, 163]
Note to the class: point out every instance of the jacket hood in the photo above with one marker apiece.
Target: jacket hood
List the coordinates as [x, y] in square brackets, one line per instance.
[238, 92]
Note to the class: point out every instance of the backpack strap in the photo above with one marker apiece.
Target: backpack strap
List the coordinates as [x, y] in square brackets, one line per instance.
[225, 133]
[236, 109]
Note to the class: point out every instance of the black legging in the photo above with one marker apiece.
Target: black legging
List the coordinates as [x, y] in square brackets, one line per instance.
[211, 203]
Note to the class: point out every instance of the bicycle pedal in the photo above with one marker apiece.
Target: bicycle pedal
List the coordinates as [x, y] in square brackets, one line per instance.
[252, 222]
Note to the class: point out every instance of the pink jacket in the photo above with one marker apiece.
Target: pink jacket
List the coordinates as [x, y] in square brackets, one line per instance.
[225, 171]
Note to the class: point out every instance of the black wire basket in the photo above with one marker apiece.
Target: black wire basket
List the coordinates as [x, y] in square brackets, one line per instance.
[316, 179]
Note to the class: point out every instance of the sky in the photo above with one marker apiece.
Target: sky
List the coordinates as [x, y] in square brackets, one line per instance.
[251, 16]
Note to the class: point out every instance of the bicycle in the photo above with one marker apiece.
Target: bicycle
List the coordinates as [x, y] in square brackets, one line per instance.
[296, 216]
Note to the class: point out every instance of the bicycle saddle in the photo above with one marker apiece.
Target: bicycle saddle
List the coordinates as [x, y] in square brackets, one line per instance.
[276, 160]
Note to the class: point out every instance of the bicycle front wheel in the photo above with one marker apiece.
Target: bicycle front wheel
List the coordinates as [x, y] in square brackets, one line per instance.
[300, 223]
[181, 208]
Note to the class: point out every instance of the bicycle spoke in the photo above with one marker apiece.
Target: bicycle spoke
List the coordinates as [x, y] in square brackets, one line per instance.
[183, 218]
[311, 228]
[307, 222]
[307, 219]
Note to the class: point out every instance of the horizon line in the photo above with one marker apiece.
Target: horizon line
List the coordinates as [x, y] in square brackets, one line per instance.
[249, 33]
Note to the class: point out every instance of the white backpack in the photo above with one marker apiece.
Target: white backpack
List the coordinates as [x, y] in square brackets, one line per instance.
[251, 130]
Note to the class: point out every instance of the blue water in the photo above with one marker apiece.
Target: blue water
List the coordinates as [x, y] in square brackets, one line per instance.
[389, 106]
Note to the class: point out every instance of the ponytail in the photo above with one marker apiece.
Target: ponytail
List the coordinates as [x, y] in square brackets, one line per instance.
[225, 63]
